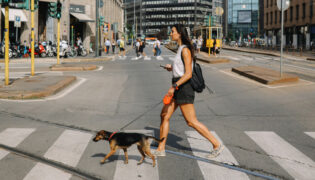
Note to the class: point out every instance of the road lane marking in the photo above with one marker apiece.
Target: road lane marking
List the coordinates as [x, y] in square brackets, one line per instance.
[201, 148]
[69, 147]
[45, 172]
[288, 157]
[312, 134]
[132, 170]
[13, 137]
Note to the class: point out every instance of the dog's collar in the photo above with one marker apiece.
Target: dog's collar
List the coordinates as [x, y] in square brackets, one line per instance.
[112, 135]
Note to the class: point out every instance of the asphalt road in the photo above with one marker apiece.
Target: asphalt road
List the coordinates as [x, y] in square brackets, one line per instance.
[268, 131]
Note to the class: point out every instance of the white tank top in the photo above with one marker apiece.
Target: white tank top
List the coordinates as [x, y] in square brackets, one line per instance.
[178, 66]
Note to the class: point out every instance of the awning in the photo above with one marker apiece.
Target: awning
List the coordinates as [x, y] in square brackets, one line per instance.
[15, 12]
[82, 17]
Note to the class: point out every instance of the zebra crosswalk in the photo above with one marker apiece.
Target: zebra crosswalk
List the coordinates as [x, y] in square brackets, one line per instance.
[71, 145]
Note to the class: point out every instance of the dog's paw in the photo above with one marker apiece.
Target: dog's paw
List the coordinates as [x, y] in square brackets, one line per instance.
[126, 162]
[102, 162]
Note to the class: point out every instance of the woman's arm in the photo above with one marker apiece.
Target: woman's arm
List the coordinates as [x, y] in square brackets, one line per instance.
[186, 54]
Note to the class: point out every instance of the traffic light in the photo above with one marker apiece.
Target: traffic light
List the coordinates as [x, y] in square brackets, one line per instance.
[59, 8]
[102, 20]
[52, 10]
[4, 2]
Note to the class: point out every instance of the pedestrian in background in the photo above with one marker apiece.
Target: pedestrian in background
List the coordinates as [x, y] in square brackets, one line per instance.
[113, 45]
[137, 47]
[194, 41]
[183, 94]
[107, 44]
[214, 47]
[199, 43]
[142, 46]
[158, 48]
[122, 47]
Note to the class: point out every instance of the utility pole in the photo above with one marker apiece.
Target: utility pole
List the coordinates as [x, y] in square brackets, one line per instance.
[97, 29]
[32, 38]
[6, 36]
[58, 15]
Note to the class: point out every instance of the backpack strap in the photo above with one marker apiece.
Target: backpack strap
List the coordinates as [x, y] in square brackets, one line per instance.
[181, 54]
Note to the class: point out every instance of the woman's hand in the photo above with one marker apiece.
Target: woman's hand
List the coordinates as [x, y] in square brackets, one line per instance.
[168, 67]
[171, 91]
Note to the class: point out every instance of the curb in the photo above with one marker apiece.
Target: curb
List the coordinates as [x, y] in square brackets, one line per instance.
[50, 90]
[214, 61]
[264, 75]
[264, 53]
[69, 67]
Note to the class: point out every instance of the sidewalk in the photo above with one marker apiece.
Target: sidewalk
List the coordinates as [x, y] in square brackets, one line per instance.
[309, 55]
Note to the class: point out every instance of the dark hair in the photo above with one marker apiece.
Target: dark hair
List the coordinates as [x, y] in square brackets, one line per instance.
[185, 38]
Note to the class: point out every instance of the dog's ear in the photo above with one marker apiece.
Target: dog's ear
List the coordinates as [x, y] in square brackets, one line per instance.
[105, 134]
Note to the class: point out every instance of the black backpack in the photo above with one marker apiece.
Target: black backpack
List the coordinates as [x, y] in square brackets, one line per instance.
[197, 82]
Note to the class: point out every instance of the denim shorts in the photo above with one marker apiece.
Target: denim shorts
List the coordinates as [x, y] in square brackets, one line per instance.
[185, 93]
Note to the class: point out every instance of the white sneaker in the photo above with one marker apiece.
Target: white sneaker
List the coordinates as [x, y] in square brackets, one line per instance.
[146, 58]
[216, 152]
[119, 56]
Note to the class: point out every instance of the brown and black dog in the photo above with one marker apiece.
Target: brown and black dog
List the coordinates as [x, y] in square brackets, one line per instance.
[123, 141]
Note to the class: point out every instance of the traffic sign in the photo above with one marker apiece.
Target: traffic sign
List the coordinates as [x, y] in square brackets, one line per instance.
[219, 11]
[17, 21]
[285, 4]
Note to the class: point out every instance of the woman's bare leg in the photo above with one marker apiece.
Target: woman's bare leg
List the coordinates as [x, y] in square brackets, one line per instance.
[166, 115]
[188, 111]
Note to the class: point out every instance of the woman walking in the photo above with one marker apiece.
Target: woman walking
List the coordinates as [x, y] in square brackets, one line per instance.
[183, 93]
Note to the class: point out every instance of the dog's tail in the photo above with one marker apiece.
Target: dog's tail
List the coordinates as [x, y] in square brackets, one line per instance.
[156, 139]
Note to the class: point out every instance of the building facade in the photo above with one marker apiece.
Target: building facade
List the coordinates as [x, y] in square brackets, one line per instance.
[150, 17]
[243, 18]
[299, 23]
[78, 20]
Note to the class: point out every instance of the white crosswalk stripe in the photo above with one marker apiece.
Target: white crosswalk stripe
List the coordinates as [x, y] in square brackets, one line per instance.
[132, 170]
[201, 147]
[288, 157]
[312, 134]
[44, 172]
[67, 149]
[71, 145]
[13, 137]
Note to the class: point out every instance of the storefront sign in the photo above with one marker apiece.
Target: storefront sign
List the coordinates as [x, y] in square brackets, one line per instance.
[77, 8]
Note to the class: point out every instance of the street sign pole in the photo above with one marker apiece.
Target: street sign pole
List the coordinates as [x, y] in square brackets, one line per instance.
[282, 5]
[97, 29]
[281, 53]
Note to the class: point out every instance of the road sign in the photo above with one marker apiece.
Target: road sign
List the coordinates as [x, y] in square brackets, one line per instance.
[17, 21]
[219, 11]
[285, 4]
